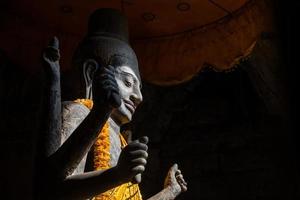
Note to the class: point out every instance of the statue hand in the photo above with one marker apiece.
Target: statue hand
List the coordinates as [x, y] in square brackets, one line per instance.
[138, 178]
[132, 160]
[105, 88]
[175, 181]
[51, 56]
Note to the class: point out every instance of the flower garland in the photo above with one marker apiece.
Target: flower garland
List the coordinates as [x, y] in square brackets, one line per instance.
[101, 149]
[102, 157]
[87, 102]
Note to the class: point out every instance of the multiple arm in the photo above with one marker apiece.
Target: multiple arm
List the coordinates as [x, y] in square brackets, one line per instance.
[61, 160]
[69, 155]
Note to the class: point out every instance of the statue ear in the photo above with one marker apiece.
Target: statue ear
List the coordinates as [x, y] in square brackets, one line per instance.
[90, 66]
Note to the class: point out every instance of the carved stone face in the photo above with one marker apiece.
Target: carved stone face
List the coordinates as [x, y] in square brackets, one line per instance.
[130, 92]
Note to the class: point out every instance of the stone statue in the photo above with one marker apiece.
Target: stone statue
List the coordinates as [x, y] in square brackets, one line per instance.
[85, 156]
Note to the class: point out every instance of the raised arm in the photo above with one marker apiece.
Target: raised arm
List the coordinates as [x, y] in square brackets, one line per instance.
[56, 160]
[59, 161]
[69, 155]
[106, 98]
[51, 124]
[50, 137]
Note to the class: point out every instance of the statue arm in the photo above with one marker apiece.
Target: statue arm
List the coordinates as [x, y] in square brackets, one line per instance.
[106, 97]
[62, 160]
[131, 162]
[65, 160]
[52, 101]
[174, 185]
[88, 185]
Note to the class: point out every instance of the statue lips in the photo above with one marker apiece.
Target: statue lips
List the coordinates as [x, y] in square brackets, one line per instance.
[130, 106]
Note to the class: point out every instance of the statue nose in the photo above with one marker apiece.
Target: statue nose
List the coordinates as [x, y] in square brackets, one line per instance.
[136, 98]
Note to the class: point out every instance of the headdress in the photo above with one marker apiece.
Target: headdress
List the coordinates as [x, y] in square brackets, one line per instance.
[107, 40]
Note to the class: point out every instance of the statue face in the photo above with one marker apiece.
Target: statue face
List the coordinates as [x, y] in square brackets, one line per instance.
[130, 92]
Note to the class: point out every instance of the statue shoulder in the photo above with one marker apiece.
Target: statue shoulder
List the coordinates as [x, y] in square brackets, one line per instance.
[72, 115]
[74, 109]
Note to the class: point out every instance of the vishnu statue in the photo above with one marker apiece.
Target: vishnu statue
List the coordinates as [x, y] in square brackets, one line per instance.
[82, 153]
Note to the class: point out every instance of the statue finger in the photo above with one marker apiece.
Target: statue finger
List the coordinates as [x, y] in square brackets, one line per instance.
[138, 154]
[143, 139]
[107, 76]
[106, 70]
[139, 161]
[183, 188]
[112, 96]
[54, 43]
[112, 68]
[137, 179]
[174, 168]
[135, 145]
[108, 90]
[134, 141]
[108, 87]
[107, 93]
[109, 83]
[178, 171]
[138, 169]
[115, 99]
[179, 176]
[181, 180]
[51, 53]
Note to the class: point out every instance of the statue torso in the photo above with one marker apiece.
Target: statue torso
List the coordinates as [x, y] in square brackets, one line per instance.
[72, 115]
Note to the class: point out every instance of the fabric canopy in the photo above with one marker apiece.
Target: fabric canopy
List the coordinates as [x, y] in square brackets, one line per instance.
[173, 40]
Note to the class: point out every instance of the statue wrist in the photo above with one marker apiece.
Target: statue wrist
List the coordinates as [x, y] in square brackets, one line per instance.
[52, 72]
[172, 194]
[54, 77]
[119, 175]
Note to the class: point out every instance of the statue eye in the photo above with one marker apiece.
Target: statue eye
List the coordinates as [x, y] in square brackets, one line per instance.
[128, 83]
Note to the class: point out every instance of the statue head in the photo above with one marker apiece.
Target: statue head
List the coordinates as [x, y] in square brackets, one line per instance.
[106, 43]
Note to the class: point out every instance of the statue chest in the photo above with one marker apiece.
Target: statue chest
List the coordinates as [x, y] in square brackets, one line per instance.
[115, 147]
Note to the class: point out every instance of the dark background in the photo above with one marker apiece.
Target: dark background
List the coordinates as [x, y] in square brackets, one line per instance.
[233, 134]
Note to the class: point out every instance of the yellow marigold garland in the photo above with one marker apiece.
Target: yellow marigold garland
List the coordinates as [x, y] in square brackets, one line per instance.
[102, 157]
[101, 149]
[87, 102]
[128, 191]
